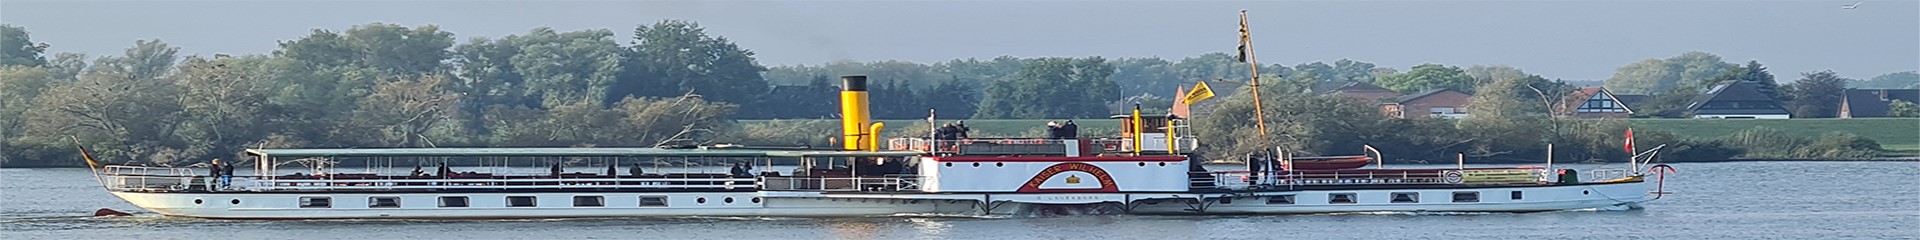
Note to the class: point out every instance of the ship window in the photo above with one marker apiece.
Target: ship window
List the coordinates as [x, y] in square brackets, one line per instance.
[383, 202]
[453, 201]
[1226, 200]
[1340, 198]
[653, 201]
[1406, 197]
[520, 201]
[316, 202]
[1280, 200]
[589, 201]
[1516, 195]
[1466, 197]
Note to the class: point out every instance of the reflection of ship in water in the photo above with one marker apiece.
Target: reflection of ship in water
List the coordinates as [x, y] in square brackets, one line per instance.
[1143, 170]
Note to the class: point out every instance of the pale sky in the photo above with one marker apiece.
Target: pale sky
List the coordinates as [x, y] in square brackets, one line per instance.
[1574, 40]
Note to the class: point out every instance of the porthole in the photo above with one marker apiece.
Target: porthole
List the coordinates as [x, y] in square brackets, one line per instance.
[976, 164]
[702, 200]
[235, 201]
[756, 200]
[727, 200]
[949, 164]
[1143, 164]
[999, 164]
[198, 201]
[1163, 164]
[1586, 192]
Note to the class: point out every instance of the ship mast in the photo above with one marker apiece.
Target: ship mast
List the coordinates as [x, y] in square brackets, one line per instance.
[1246, 51]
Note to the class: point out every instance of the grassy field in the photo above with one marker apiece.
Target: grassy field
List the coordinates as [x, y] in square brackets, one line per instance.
[1898, 134]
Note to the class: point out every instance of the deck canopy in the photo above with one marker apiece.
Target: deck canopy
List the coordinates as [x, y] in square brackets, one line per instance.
[568, 152]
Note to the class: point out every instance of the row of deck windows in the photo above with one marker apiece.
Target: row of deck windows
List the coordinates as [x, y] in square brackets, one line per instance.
[1397, 197]
[511, 201]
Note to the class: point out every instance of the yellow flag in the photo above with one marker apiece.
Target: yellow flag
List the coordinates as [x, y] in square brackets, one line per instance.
[1199, 92]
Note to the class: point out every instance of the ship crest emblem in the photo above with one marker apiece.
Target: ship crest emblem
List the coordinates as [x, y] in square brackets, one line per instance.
[1073, 179]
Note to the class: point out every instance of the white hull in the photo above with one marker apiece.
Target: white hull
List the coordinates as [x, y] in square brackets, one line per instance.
[814, 204]
[551, 205]
[1533, 199]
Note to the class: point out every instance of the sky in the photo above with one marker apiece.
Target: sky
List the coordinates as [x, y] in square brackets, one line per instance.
[1572, 40]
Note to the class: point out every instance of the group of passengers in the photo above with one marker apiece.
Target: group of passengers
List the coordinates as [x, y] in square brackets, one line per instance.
[1068, 130]
[219, 174]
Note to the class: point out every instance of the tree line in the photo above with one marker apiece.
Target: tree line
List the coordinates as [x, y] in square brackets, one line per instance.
[387, 85]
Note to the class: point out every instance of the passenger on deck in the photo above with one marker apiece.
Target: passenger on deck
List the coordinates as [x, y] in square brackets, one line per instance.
[416, 171]
[1070, 130]
[226, 174]
[444, 171]
[1053, 130]
[612, 171]
[635, 169]
[555, 171]
[960, 129]
[213, 173]
[738, 171]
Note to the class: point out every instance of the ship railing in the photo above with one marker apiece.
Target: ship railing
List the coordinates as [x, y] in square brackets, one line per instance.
[283, 184]
[146, 179]
[147, 171]
[1243, 179]
[137, 183]
[887, 183]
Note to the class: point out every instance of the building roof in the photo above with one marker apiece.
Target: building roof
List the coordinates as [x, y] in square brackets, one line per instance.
[1630, 99]
[1422, 94]
[569, 152]
[1735, 97]
[1877, 102]
[1579, 97]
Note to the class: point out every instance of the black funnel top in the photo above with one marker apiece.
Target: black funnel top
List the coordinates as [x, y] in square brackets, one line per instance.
[853, 83]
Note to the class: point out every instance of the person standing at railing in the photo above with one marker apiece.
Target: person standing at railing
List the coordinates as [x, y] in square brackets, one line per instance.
[213, 174]
[226, 175]
[960, 129]
[1069, 130]
[635, 169]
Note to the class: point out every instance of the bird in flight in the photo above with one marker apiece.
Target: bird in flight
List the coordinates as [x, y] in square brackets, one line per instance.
[1851, 6]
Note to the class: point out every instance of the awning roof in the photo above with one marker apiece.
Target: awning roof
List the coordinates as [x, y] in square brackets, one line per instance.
[568, 152]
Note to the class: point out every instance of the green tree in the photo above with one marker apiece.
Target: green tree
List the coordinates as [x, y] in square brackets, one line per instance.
[1816, 94]
[673, 57]
[1754, 73]
[1053, 88]
[1690, 70]
[1643, 77]
[399, 113]
[124, 105]
[388, 48]
[1428, 76]
[1906, 79]
[67, 66]
[19, 85]
[1903, 108]
[146, 60]
[18, 49]
[222, 108]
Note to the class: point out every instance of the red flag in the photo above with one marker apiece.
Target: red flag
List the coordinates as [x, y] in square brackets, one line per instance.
[1630, 141]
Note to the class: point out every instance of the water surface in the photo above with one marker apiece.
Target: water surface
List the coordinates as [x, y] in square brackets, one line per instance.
[1736, 200]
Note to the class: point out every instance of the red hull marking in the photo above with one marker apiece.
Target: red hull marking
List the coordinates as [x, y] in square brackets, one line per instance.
[1058, 159]
[1099, 174]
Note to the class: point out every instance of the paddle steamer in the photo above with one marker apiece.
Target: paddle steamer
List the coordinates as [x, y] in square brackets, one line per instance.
[1146, 169]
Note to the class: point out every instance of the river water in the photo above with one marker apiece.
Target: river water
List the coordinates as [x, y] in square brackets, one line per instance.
[1736, 200]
